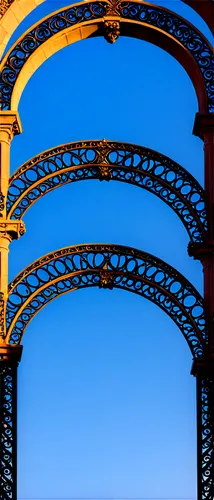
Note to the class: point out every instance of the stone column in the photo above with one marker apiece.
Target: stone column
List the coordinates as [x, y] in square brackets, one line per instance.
[9, 229]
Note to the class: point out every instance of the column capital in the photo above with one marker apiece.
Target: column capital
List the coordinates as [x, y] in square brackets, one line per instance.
[204, 124]
[12, 229]
[10, 123]
[201, 251]
[203, 367]
[10, 353]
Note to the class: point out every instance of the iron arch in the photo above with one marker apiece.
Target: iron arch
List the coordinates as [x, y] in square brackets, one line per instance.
[108, 160]
[106, 266]
[109, 18]
[204, 8]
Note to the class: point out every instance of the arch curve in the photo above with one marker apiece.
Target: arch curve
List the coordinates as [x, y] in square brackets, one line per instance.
[110, 160]
[106, 266]
[136, 19]
[13, 13]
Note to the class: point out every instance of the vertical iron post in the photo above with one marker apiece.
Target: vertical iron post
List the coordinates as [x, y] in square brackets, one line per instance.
[203, 369]
[9, 359]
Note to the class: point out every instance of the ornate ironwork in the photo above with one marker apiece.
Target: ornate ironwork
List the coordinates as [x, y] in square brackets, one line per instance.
[205, 417]
[2, 315]
[158, 17]
[107, 160]
[8, 422]
[106, 266]
[4, 6]
[2, 202]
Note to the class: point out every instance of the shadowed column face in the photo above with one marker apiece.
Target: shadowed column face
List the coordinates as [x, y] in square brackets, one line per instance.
[205, 9]
[9, 359]
[205, 436]
[8, 422]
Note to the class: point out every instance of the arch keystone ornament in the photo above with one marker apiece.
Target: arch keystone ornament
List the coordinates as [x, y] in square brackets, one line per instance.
[111, 31]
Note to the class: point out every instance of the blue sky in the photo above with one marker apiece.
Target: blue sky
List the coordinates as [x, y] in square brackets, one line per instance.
[106, 400]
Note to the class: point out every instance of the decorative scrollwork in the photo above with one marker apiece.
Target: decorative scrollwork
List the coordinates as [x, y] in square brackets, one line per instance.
[106, 266]
[182, 31]
[138, 12]
[205, 415]
[107, 160]
[113, 8]
[2, 315]
[4, 6]
[8, 388]
[2, 203]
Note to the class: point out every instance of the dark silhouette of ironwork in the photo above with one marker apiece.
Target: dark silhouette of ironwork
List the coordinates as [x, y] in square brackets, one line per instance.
[9, 359]
[106, 266]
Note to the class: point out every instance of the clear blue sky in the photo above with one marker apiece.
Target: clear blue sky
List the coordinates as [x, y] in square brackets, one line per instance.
[106, 400]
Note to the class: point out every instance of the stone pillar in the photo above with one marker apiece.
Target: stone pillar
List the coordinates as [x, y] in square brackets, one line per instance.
[9, 229]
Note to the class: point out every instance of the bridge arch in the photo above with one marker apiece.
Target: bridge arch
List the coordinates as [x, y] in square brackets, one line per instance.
[109, 19]
[110, 160]
[106, 266]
